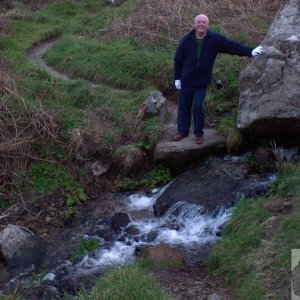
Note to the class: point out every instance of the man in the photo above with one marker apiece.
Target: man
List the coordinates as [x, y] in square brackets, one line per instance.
[193, 64]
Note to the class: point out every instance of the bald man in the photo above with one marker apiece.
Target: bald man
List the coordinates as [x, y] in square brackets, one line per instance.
[193, 65]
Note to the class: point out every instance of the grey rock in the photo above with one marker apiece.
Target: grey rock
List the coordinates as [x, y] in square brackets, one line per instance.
[154, 106]
[120, 220]
[98, 168]
[215, 296]
[20, 248]
[269, 102]
[213, 185]
[179, 154]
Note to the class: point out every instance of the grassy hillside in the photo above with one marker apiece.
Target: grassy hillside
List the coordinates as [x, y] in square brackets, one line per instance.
[126, 51]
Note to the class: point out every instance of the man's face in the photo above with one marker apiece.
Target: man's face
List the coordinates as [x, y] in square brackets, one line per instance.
[201, 25]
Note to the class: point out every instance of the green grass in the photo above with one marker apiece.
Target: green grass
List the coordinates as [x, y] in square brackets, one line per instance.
[242, 256]
[234, 138]
[122, 63]
[46, 178]
[126, 283]
[226, 70]
[86, 246]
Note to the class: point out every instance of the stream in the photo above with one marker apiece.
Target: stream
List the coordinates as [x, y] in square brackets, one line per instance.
[128, 227]
[131, 225]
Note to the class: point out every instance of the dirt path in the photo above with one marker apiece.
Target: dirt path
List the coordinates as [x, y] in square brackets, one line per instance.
[35, 54]
[192, 284]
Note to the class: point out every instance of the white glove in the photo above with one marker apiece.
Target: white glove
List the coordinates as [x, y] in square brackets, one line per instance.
[257, 51]
[178, 84]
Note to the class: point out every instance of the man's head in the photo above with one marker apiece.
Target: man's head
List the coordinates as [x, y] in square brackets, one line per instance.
[201, 24]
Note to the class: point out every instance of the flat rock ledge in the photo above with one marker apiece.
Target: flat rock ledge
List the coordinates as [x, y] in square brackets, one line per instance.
[179, 154]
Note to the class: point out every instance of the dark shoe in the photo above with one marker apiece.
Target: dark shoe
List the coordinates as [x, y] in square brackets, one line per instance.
[179, 136]
[199, 140]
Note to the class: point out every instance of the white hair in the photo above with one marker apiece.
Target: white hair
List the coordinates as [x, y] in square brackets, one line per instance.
[201, 16]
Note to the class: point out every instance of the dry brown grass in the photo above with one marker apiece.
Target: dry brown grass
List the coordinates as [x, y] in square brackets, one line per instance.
[171, 19]
[21, 126]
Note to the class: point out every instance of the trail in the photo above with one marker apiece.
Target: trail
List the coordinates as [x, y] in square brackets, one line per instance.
[35, 54]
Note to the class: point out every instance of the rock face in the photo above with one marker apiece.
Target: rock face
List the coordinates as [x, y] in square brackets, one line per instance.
[20, 248]
[270, 86]
[217, 183]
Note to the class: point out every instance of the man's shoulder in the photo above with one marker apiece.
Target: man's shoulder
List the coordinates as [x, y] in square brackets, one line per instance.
[215, 35]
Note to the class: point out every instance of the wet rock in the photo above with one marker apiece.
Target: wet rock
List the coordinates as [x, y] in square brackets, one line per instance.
[213, 185]
[132, 230]
[216, 183]
[119, 221]
[164, 254]
[20, 248]
[152, 236]
[4, 275]
[263, 160]
[107, 234]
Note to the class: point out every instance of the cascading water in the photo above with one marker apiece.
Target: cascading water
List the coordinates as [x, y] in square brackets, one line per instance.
[184, 226]
[190, 227]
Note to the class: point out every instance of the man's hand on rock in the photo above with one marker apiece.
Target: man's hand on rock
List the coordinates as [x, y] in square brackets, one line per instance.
[257, 51]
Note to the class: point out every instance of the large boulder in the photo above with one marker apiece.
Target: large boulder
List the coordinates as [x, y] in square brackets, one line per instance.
[20, 248]
[270, 86]
[215, 184]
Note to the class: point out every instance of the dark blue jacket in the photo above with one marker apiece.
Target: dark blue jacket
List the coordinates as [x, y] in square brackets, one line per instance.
[196, 73]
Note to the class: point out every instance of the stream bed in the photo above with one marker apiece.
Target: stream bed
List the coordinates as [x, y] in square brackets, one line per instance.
[128, 224]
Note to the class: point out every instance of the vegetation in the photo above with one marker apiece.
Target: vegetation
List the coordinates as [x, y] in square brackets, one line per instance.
[86, 246]
[126, 51]
[227, 126]
[254, 255]
[157, 177]
[128, 283]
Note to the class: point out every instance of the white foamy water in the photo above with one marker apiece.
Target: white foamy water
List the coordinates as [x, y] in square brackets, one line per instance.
[184, 225]
[139, 202]
[118, 254]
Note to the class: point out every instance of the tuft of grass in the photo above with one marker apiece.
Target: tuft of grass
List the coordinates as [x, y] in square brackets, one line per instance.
[126, 283]
[234, 138]
[152, 130]
[159, 176]
[86, 246]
